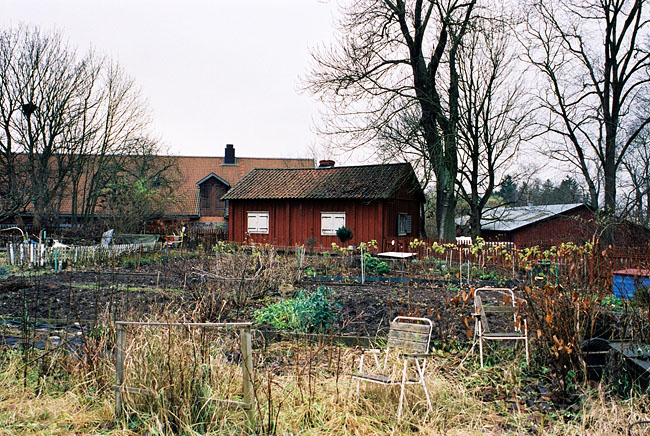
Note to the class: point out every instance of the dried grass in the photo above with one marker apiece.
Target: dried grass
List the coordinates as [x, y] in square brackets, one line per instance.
[301, 389]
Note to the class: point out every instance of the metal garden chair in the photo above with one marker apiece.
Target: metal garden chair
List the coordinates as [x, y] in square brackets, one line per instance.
[408, 341]
[491, 304]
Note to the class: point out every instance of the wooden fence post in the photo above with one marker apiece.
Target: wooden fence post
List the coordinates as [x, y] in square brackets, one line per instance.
[247, 373]
[119, 368]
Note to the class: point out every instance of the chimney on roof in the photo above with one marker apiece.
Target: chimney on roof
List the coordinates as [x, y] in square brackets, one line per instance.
[229, 156]
[326, 164]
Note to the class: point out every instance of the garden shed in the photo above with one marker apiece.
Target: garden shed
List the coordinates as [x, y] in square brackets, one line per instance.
[289, 207]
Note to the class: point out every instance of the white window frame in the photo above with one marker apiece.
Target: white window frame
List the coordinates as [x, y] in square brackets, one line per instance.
[329, 220]
[407, 228]
[257, 224]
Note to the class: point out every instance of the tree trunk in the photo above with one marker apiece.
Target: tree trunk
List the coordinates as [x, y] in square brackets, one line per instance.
[446, 206]
[609, 169]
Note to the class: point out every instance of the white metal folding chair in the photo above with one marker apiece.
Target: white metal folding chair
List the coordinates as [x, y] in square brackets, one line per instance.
[500, 301]
[408, 342]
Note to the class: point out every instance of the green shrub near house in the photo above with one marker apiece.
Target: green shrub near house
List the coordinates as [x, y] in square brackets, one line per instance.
[304, 313]
[374, 266]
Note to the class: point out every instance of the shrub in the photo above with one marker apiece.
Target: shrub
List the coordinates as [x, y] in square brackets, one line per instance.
[304, 313]
[642, 296]
[344, 234]
[561, 319]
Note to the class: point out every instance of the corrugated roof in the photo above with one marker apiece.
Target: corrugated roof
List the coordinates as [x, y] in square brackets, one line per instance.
[506, 219]
[355, 182]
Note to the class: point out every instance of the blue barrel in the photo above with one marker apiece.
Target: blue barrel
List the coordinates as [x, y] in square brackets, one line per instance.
[626, 282]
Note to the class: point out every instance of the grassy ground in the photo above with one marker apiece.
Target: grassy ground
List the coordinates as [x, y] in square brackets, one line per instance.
[58, 397]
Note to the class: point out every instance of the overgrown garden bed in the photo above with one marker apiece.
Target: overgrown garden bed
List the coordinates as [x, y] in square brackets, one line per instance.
[302, 376]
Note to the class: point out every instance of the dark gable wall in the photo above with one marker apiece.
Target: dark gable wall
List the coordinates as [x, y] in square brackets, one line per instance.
[210, 193]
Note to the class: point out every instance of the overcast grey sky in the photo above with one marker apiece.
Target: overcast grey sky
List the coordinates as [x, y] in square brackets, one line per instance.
[214, 71]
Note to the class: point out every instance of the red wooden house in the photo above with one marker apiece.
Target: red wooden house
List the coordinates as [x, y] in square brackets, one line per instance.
[289, 207]
[539, 225]
[554, 224]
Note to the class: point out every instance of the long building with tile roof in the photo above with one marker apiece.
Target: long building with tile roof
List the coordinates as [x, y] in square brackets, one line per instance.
[197, 182]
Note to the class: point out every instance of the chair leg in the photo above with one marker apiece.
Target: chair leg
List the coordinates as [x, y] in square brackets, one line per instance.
[526, 340]
[527, 353]
[401, 393]
[424, 385]
[474, 337]
[480, 349]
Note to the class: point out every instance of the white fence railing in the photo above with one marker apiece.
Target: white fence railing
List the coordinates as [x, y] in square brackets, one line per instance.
[38, 255]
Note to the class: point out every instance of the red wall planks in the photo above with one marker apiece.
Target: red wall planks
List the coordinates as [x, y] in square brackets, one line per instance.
[292, 222]
[578, 226]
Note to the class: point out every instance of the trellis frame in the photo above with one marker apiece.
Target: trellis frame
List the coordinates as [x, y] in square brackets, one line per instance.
[246, 346]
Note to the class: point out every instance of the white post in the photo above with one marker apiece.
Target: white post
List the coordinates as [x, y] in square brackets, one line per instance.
[363, 268]
[11, 254]
[460, 265]
[246, 346]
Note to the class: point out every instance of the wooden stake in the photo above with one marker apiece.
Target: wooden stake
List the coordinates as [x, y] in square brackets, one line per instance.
[119, 368]
[247, 373]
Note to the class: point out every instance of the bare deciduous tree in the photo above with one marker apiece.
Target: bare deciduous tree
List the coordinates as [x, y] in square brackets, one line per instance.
[115, 121]
[44, 80]
[594, 56]
[68, 124]
[392, 80]
[637, 167]
[494, 113]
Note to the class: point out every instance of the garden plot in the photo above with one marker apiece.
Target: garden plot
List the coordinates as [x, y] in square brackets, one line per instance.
[302, 375]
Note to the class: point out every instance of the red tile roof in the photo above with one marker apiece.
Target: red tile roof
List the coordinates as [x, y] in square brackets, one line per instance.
[192, 169]
[355, 182]
[188, 170]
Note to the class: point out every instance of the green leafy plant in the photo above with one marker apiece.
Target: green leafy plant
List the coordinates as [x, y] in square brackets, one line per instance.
[304, 313]
[375, 266]
[310, 272]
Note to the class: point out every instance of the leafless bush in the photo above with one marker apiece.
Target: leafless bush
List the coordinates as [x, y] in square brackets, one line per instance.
[560, 319]
[240, 274]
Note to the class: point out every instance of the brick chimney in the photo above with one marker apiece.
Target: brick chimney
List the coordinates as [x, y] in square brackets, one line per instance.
[229, 156]
[326, 163]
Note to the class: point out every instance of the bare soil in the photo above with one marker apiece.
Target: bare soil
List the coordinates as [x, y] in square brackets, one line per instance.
[364, 310]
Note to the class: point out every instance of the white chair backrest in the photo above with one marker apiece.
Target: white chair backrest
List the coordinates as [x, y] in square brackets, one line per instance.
[410, 335]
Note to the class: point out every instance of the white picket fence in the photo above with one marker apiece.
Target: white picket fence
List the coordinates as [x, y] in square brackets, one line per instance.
[30, 255]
